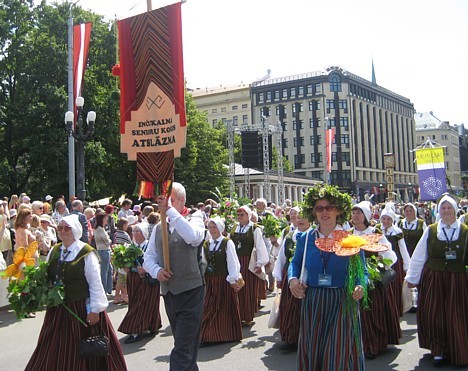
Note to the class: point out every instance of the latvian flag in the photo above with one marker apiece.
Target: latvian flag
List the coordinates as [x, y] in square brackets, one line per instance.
[81, 38]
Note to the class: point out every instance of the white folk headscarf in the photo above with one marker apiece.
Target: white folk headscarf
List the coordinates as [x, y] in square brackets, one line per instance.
[219, 223]
[143, 227]
[74, 222]
[365, 207]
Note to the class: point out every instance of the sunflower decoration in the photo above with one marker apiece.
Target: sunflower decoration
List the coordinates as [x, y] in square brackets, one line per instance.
[345, 244]
[23, 257]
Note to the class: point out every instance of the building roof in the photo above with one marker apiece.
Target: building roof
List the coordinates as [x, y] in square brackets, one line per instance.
[426, 121]
[217, 89]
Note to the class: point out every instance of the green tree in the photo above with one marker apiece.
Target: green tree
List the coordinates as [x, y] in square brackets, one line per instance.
[202, 164]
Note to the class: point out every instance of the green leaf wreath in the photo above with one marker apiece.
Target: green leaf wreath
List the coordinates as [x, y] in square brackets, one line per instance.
[35, 292]
[124, 257]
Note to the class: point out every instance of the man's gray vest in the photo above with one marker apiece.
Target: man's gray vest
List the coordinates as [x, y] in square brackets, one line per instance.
[184, 264]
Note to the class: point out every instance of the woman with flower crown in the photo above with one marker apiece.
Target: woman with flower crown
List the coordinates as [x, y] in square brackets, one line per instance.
[76, 265]
[330, 330]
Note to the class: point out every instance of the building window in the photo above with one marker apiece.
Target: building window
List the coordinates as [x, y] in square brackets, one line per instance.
[245, 105]
[301, 160]
[215, 121]
[301, 107]
[266, 111]
[301, 142]
[316, 158]
[315, 140]
[314, 105]
[223, 109]
[268, 96]
[314, 123]
[317, 174]
[245, 119]
[346, 157]
[343, 104]
[261, 97]
[345, 140]
[330, 105]
[234, 108]
[318, 88]
[235, 120]
[285, 143]
[300, 91]
[285, 93]
[292, 92]
[335, 82]
[344, 122]
[277, 94]
[310, 90]
[214, 110]
[301, 124]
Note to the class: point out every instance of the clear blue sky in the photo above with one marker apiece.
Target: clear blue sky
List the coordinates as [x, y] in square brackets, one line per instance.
[419, 47]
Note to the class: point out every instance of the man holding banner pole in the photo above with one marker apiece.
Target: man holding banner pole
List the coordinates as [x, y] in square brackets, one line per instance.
[182, 286]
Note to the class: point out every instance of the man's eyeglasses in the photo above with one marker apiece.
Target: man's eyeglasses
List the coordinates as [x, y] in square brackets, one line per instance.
[319, 209]
[64, 228]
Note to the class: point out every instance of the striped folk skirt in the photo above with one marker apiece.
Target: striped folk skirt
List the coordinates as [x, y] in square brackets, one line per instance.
[397, 285]
[289, 313]
[443, 315]
[381, 323]
[143, 306]
[221, 315]
[58, 344]
[327, 337]
[248, 295]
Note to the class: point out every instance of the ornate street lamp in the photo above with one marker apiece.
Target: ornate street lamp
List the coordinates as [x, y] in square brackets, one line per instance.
[81, 133]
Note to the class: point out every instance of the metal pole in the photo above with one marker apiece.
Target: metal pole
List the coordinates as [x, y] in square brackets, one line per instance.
[71, 140]
[232, 165]
[80, 160]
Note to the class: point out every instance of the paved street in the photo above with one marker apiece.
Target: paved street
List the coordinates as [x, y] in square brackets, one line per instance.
[258, 351]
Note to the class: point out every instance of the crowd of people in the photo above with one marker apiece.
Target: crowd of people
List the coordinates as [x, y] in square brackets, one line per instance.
[213, 279]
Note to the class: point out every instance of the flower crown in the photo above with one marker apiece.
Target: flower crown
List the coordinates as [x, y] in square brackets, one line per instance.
[342, 201]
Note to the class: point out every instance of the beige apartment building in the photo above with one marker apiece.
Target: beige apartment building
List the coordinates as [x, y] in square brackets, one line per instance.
[369, 121]
[225, 103]
[429, 127]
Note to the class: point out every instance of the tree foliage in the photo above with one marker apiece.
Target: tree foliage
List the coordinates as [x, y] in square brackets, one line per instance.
[34, 99]
[202, 164]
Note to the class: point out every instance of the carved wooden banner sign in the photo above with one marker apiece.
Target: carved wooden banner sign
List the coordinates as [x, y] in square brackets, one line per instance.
[152, 99]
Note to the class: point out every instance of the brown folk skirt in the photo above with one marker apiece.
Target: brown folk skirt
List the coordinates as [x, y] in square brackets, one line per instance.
[248, 296]
[289, 313]
[221, 315]
[443, 315]
[381, 323]
[143, 306]
[58, 344]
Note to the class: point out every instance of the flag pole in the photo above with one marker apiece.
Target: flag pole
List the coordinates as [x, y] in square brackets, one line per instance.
[164, 230]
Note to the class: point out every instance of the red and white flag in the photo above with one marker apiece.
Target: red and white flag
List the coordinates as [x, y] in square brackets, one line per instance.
[329, 135]
[81, 37]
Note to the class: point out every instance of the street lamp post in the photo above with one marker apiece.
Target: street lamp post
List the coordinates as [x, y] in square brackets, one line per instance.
[81, 133]
[410, 192]
[381, 191]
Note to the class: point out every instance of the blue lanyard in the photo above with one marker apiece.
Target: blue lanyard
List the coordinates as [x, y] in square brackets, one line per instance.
[446, 237]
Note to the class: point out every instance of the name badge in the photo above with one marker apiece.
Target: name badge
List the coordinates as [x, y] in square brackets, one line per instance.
[450, 255]
[325, 280]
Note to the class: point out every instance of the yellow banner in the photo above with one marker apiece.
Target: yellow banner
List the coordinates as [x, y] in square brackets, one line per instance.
[430, 156]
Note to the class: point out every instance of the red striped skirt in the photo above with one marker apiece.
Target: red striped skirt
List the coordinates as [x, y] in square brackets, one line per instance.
[248, 295]
[381, 323]
[327, 337]
[397, 285]
[143, 306]
[58, 344]
[443, 315]
[221, 316]
[289, 313]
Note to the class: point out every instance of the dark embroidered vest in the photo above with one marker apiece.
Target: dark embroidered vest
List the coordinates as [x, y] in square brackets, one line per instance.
[71, 273]
[216, 259]
[244, 242]
[436, 250]
[412, 236]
